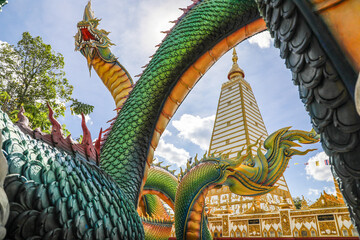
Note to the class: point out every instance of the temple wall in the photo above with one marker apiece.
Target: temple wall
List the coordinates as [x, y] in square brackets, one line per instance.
[327, 222]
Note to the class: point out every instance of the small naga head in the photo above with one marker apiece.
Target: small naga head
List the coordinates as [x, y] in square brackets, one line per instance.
[250, 175]
[90, 41]
[237, 173]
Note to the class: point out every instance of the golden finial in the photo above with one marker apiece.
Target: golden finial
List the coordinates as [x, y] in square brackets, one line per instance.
[235, 57]
[235, 69]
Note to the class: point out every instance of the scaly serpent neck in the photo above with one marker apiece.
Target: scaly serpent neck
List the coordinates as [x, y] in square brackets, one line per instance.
[115, 78]
[161, 183]
[190, 220]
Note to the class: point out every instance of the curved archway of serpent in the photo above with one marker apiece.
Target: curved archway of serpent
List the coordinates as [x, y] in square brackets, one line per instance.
[329, 103]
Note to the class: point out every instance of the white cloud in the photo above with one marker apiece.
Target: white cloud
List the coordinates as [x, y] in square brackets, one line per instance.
[321, 172]
[87, 119]
[316, 192]
[166, 133]
[263, 39]
[171, 153]
[158, 20]
[313, 191]
[136, 28]
[196, 129]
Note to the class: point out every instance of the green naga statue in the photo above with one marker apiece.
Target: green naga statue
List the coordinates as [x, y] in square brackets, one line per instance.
[252, 174]
[58, 189]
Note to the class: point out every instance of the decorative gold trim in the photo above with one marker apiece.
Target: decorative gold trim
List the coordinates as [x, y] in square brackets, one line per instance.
[216, 118]
[228, 122]
[223, 107]
[218, 134]
[230, 115]
[244, 115]
[222, 139]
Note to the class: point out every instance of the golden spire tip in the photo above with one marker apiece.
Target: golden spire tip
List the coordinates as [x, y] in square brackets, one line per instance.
[235, 70]
[235, 57]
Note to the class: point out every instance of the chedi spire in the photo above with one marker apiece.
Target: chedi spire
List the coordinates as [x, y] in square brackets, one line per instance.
[235, 69]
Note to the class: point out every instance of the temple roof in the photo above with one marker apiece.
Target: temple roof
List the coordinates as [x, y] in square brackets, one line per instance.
[326, 201]
[254, 209]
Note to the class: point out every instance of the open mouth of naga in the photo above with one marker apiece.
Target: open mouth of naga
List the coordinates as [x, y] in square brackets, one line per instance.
[86, 35]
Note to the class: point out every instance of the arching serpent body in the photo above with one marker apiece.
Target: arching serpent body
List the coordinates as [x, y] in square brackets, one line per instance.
[160, 183]
[203, 34]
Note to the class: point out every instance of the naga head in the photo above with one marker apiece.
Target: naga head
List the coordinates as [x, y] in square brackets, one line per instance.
[238, 173]
[90, 41]
[250, 175]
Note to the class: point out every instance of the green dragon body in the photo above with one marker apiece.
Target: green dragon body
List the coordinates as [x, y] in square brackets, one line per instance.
[158, 224]
[161, 184]
[56, 194]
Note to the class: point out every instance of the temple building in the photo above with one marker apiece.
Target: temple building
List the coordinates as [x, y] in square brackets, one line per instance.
[238, 124]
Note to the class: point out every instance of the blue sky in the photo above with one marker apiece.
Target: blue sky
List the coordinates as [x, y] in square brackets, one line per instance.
[135, 28]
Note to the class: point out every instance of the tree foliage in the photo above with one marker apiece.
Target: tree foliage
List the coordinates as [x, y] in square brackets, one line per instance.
[301, 202]
[2, 3]
[297, 202]
[77, 107]
[31, 75]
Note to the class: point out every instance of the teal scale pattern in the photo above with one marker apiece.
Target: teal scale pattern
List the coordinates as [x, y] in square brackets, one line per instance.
[54, 195]
[162, 181]
[201, 177]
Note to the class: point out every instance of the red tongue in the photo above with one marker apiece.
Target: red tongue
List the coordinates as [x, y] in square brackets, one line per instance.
[86, 34]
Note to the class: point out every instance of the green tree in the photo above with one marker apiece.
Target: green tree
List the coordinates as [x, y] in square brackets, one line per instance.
[2, 3]
[31, 75]
[297, 202]
[301, 202]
